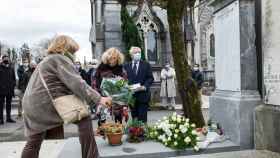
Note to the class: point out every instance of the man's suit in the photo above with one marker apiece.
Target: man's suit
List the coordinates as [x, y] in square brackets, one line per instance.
[144, 76]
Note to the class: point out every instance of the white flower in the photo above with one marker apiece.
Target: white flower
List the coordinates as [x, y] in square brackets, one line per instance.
[179, 120]
[187, 120]
[159, 120]
[197, 138]
[194, 132]
[196, 148]
[169, 138]
[187, 140]
[174, 118]
[175, 135]
[156, 133]
[184, 130]
[175, 143]
[169, 133]
[161, 137]
[193, 125]
[164, 118]
[177, 131]
[174, 114]
[165, 143]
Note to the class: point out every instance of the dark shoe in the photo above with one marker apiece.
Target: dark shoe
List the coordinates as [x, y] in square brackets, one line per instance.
[1, 122]
[11, 120]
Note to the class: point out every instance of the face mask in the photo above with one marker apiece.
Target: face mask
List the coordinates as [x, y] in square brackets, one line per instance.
[136, 56]
[78, 67]
[167, 66]
[94, 66]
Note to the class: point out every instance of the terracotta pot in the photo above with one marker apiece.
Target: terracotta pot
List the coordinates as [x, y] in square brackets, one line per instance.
[114, 139]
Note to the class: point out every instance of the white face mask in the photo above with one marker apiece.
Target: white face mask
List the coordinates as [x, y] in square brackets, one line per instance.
[136, 56]
[196, 68]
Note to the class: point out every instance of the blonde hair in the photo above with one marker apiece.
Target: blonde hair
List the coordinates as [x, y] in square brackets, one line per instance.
[132, 50]
[109, 53]
[62, 44]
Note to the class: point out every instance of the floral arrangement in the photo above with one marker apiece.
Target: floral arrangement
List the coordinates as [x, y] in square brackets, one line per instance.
[114, 133]
[215, 127]
[119, 90]
[111, 128]
[176, 132]
[135, 131]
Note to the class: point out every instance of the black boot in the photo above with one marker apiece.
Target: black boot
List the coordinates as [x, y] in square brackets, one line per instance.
[11, 120]
[1, 122]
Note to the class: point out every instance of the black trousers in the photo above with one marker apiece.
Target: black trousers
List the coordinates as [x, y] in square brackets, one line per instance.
[140, 111]
[8, 100]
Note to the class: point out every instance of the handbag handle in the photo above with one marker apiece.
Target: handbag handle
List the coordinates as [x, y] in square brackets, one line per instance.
[44, 83]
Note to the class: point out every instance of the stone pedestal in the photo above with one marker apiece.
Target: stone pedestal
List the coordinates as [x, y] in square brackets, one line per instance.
[267, 117]
[267, 128]
[234, 111]
[236, 95]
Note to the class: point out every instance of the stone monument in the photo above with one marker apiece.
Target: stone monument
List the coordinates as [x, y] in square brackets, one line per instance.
[236, 95]
[267, 116]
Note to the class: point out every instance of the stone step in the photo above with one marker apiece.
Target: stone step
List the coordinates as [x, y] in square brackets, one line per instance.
[149, 149]
[49, 149]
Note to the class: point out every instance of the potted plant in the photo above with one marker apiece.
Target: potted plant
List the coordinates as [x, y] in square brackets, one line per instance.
[114, 133]
[135, 131]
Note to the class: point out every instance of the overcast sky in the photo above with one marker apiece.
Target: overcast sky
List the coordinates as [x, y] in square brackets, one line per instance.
[32, 20]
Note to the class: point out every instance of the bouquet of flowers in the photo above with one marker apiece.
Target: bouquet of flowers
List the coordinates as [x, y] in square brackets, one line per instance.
[175, 132]
[136, 131]
[119, 90]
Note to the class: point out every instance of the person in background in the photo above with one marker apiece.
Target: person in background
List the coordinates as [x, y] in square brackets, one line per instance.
[111, 66]
[92, 70]
[61, 78]
[7, 87]
[168, 88]
[197, 76]
[90, 77]
[80, 69]
[140, 72]
[23, 81]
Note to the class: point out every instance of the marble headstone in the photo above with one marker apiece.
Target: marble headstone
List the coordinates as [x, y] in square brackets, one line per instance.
[271, 48]
[227, 45]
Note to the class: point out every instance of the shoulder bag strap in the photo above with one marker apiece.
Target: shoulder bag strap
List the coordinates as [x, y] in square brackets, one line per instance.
[44, 83]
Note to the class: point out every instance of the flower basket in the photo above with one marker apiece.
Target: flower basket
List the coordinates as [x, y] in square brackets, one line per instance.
[114, 133]
[135, 131]
[114, 139]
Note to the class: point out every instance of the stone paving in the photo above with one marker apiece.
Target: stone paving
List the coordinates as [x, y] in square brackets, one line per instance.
[237, 154]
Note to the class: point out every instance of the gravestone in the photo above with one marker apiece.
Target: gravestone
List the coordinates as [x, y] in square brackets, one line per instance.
[236, 94]
[267, 116]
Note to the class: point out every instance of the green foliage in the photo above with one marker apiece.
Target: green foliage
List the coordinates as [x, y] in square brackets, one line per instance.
[118, 90]
[130, 34]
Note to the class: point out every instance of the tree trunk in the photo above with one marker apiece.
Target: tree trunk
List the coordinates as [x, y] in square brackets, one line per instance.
[187, 88]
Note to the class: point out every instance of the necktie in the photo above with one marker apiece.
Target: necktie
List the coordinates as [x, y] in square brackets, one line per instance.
[134, 69]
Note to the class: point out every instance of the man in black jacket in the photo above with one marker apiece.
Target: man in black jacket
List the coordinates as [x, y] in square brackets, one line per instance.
[24, 78]
[140, 72]
[7, 86]
[197, 76]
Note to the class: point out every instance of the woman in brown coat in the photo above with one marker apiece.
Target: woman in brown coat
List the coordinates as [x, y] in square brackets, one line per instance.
[62, 79]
